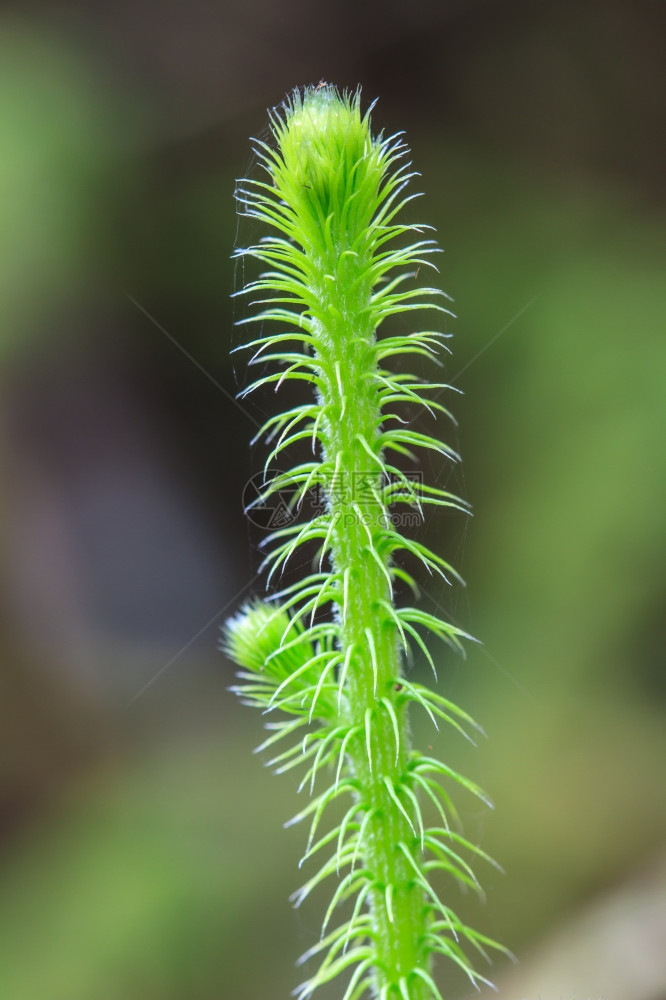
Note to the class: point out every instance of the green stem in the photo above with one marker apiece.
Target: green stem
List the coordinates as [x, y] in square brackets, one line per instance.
[332, 263]
[368, 637]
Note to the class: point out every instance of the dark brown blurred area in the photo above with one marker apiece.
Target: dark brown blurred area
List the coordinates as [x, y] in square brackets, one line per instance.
[141, 848]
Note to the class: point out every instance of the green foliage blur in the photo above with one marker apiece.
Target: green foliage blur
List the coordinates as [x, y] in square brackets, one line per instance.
[142, 855]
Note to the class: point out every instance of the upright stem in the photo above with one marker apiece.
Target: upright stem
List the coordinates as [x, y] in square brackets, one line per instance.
[368, 637]
[336, 267]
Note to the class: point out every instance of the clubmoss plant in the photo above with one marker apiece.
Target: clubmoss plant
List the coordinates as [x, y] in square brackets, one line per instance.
[326, 655]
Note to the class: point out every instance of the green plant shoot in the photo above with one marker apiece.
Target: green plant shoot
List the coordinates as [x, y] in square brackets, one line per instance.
[326, 655]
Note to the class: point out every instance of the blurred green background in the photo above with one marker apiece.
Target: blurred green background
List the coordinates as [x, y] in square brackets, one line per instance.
[142, 855]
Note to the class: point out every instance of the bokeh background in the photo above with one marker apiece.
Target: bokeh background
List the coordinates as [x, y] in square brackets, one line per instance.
[142, 854]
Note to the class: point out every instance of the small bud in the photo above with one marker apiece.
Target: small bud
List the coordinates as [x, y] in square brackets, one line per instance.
[255, 636]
